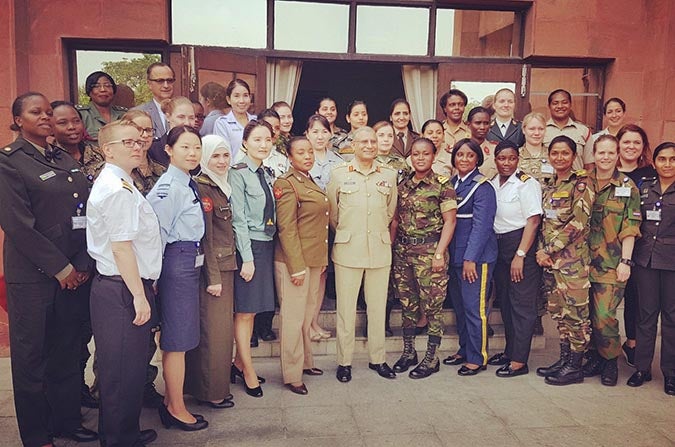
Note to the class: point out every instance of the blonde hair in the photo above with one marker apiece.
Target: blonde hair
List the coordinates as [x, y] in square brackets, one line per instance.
[169, 105]
[534, 115]
[108, 132]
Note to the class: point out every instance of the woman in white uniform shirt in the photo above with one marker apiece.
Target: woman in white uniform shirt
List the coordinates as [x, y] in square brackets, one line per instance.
[231, 126]
[517, 275]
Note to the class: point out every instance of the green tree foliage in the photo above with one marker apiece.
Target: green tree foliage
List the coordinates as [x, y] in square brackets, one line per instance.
[130, 72]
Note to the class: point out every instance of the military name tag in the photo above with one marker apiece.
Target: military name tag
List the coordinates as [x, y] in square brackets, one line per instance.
[551, 214]
[199, 261]
[47, 175]
[79, 222]
[654, 215]
[561, 195]
[547, 169]
[622, 191]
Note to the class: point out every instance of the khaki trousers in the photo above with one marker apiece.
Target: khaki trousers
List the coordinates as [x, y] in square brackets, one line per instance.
[347, 284]
[297, 307]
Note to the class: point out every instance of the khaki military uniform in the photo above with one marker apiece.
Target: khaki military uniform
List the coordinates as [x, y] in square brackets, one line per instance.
[453, 136]
[565, 231]
[302, 247]
[399, 164]
[421, 204]
[488, 168]
[616, 215]
[93, 121]
[362, 205]
[577, 132]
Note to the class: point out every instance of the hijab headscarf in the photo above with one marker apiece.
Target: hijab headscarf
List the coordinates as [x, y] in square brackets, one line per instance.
[209, 145]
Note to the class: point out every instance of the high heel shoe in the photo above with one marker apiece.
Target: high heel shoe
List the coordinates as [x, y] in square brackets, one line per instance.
[236, 372]
[253, 392]
[169, 420]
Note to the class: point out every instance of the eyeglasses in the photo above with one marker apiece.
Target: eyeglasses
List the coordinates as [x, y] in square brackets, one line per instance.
[129, 143]
[169, 81]
[102, 86]
[147, 131]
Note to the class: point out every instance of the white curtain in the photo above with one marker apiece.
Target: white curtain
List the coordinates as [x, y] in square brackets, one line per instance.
[420, 84]
[283, 78]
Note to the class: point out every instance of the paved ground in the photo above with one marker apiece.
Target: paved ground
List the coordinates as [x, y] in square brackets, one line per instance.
[443, 410]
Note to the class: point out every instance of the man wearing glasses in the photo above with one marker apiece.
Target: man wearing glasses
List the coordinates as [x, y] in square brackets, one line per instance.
[101, 89]
[160, 79]
[123, 238]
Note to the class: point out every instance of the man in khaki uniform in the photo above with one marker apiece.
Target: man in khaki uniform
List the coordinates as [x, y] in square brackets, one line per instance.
[362, 196]
[561, 123]
[453, 104]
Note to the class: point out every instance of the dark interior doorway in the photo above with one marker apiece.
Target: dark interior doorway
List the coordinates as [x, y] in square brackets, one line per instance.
[378, 84]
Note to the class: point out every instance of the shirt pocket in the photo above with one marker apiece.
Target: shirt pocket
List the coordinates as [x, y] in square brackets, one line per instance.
[349, 193]
[223, 212]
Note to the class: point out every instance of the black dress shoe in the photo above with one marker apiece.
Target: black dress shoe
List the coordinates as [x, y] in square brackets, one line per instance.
[383, 370]
[466, 371]
[639, 378]
[147, 436]
[269, 336]
[313, 372]
[490, 331]
[151, 398]
[499, 359]
[254, 341]
[507, 371]
[236, 372]
[302, 389]
[629, 352]
[80, 434]
[669, 386]
[344, 373]
[405, 362]
[87, 399]
[169, 420]
[225, 403]
[454, 359]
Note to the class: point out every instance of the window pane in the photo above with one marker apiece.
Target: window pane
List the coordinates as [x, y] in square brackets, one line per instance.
[392, 30]
[222, 23]
[127, 69]
[474, 33]
[296, 27]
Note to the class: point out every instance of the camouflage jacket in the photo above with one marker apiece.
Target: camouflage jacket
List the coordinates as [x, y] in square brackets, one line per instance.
[397, 163]
[536, 166]
[616, 215]
[421, 204]
[565, 228]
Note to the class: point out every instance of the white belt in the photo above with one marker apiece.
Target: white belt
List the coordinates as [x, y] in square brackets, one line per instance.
[464, 216]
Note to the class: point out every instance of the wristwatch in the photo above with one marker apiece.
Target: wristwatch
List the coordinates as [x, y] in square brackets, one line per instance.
[438, 256]
[520, 253]
[627, 261]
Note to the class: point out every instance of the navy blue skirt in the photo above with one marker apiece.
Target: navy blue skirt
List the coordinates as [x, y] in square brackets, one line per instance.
[257, 295]
[179, 298]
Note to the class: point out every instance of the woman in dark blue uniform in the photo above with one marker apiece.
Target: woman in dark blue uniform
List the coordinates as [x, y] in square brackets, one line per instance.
[176, 202]
[43, 196]
[473, 253]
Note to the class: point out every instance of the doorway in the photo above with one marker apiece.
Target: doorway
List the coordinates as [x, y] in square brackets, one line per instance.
[376, 83]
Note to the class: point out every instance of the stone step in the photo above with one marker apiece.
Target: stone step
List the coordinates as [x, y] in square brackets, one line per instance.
[394, 344]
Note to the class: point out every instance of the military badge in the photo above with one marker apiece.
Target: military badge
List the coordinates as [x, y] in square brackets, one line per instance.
[278, 192]
[207, 204]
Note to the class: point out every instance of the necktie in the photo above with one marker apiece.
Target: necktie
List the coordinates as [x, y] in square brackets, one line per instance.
[400, 139]
[52, 153]
[268, 212]
[503, 129]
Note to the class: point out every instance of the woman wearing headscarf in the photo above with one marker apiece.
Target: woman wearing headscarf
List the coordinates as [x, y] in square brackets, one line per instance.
[207, 371]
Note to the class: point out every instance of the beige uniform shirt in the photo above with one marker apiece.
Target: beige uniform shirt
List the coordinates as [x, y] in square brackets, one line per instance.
[579, 133]
[451, 137]
[362, 205]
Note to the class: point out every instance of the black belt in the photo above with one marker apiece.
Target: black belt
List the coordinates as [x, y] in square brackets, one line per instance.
[118, 278]
[406, 240]
[510, 234]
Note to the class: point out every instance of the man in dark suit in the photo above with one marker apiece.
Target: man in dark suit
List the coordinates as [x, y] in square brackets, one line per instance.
[504, 126]
[160, 79]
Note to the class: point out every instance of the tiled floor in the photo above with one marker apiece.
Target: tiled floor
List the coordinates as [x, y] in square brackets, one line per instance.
[443, 410]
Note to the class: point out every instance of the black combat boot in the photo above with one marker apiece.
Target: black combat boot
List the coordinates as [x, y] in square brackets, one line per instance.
[570, 373]
[409, 355]
[594, 364]
[430, 363]
[610, 373]
[554, 368]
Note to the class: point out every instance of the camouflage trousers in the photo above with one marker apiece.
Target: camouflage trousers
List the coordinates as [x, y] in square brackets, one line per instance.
[567, 297]
[605, 298]
[419, 287]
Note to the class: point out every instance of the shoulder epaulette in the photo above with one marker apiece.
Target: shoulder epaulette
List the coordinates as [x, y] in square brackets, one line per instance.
[13, 147]
[480, 178]
[82, 106]
[523, 177]
[126, 185]
[442, 179]
[581, 173]
[387, 166]
[285, 175]
[203, 179]
[241, 165]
